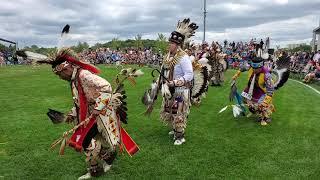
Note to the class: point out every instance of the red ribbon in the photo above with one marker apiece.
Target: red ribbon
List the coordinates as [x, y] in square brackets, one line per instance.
[130, 146]
[81, 64]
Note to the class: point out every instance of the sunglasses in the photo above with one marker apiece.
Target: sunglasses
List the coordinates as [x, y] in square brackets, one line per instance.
[256, 65]
[59, 68]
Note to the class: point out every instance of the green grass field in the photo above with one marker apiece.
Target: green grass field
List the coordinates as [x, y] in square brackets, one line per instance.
[218, 146]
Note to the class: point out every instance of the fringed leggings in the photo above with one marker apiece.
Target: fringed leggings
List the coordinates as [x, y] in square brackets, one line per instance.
[97, 150]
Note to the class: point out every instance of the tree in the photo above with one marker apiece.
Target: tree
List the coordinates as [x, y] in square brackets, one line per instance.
[115, 43]
[34, 47]
[161, 37]
[304, 48]
[161, 43]
[97, 46]
[138, 39]
[2, 47]
[80, 47]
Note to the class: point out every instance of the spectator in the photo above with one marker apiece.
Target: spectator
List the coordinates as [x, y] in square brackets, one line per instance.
[316, 74]
[2, 61]
[316, 57]
[261, 44]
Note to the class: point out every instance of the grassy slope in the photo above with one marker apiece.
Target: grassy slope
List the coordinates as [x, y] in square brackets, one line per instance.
[218, 146]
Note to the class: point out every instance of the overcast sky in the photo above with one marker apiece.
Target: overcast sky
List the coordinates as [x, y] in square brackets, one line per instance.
[40, 21]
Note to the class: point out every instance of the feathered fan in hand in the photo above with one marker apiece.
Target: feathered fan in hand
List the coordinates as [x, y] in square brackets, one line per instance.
[200, 83]
[238, 108]
[130, 75]
[281, 71]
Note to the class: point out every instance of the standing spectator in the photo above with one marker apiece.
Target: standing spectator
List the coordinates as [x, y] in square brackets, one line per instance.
[261, 44]
[267, 43]
[233, 45]
[225, 43]
[2, 61]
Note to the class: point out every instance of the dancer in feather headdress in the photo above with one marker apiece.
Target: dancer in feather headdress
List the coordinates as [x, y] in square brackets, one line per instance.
[200, 77]
[218, 65]
[175, 81]
[260, 89]
[97, 113]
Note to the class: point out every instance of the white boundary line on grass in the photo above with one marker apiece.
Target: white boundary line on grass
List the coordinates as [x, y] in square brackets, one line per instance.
[306, 86]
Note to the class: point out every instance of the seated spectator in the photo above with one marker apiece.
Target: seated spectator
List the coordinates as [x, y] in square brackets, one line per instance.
[316, 74]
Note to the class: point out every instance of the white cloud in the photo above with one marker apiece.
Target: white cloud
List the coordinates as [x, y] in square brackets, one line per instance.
[282, 2]
[235, 7]
[296, 30]
[40, 21]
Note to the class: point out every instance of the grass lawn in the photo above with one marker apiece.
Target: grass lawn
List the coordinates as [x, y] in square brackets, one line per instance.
[218, 145]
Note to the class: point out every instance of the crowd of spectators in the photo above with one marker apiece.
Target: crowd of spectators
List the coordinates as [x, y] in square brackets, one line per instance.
[305, 64]
[237, 55]
[100, 56]
[8, 58]
[308, 64]
[126, 56]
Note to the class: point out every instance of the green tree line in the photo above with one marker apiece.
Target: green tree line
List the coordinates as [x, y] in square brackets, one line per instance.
[138, 42]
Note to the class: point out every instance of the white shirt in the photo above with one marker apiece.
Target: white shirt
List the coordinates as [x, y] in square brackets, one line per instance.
[183, 70]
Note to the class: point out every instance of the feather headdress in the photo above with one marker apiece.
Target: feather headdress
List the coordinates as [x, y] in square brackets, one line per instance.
[185, 29]
[281, 69]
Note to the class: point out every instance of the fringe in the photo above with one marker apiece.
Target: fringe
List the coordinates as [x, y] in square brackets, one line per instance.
[178, 120]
